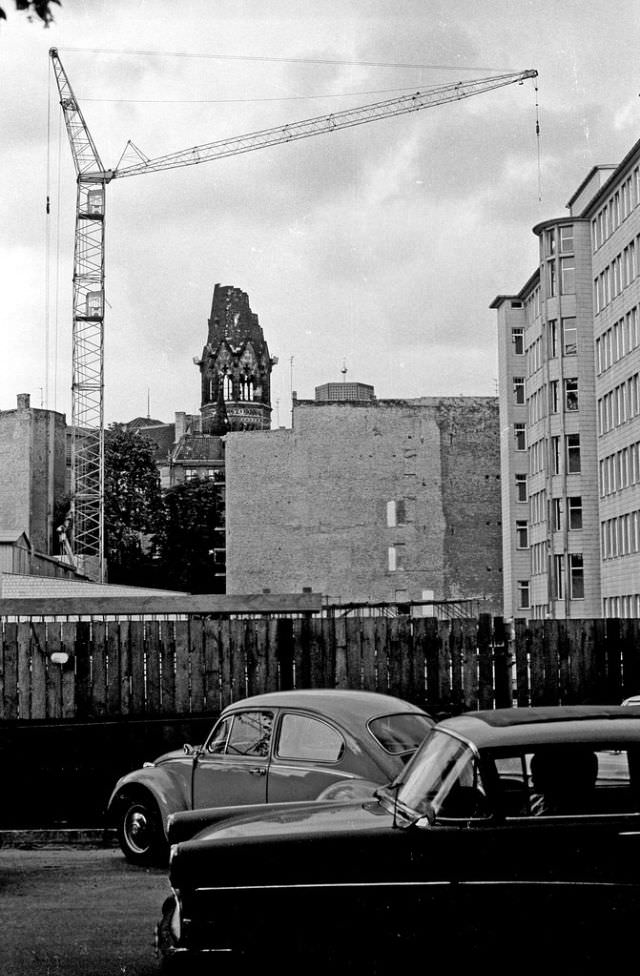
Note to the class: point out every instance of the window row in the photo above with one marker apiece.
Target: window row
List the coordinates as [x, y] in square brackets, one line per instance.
[617, 275]
[616, 209]
[619, 404]
[618, 340]
[620, 469]
[561, 449]
[621, 606]
[539, 558]
[560, 395]
[532, 305]
[620, 536]
[566, 340]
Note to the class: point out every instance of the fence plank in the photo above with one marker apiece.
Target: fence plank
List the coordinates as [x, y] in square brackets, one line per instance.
[212, 664]
[610, 632]
[181, 644]
[68, 632]
[521, 637]
[39, 663]
[225, 658]
[168, 667]
[354, 652]
[153, 645]
[24, 670]
[485, 662]
[284, 645]
[273, 663]
[238, 658]
[541, 632]
[368, 653]
[125, 666]
[469, 662]
[112, 638]
[502, 665]
[322, 666]
[54, 672]
[417, 692]
[99, 669]
[196, 637]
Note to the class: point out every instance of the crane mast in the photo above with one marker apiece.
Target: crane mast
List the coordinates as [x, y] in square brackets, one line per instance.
[87, 452]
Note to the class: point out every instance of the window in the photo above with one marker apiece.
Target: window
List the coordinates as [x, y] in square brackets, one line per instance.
[227, 386]
[569, 336]
[575, 512]
[250, 734]
[302, 737]
[571, 394]
[523, 595]
[550, 242]
[573, 453]
[521, 487]
[567, 276]
[552, 335]
[551, 278]
[518, 389]
[558, 565]
[243, 734]
[576, 575]
[522, 534]
[566, 238]
[191, 474]
[520, 436]
[555, 455]
[517, 338]
[553, 396]
[556, 514]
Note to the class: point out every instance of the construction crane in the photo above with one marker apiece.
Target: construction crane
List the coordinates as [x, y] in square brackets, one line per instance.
[87, 408]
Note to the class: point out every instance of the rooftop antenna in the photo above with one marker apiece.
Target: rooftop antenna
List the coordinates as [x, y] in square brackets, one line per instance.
[148, 407]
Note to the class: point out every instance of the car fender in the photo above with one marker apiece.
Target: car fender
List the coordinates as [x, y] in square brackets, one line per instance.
[171, 792]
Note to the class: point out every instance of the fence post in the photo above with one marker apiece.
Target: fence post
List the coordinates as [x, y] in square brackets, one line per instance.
[521, 637]
[502, 665]
[485, 663]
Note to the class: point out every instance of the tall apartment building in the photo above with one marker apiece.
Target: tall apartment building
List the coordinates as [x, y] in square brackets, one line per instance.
[569, 362]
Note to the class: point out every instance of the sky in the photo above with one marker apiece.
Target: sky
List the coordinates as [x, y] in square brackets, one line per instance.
[376, 249]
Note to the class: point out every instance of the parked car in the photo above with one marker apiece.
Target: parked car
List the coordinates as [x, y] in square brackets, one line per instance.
[632, 700]
[453, 863]
[280, 746]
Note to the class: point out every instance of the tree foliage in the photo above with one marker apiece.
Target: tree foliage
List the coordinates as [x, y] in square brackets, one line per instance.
[40, 9]
[132, 501]
[189, 539]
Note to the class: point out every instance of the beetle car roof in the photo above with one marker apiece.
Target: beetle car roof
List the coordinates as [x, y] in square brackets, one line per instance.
[336, 702]
[554, 723]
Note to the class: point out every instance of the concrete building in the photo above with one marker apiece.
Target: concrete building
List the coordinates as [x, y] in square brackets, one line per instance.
[369, 501]
[572, 538]
[32, 471]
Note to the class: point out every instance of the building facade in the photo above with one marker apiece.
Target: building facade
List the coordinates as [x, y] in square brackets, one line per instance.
[569, 362]
[32, 471]
[370, 501]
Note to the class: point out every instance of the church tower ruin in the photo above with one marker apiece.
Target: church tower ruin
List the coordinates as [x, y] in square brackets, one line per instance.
[235, 367]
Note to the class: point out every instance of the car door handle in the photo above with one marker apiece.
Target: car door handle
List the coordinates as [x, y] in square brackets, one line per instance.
[258, 771]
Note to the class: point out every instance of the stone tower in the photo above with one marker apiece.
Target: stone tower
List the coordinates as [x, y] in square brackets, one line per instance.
[235, 367]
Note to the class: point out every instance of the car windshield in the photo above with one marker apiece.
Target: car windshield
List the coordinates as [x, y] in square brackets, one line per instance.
[442, 764]
[400, 734]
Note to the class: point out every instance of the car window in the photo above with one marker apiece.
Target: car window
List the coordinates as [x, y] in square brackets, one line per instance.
[243, 734]
[401, 733]
[575, 780]
[303, 737]
[218, 741]
[443, 780]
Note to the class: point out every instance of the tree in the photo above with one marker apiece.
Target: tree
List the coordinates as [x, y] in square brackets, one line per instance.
[132, 503]
[37, 8]
[190, 540]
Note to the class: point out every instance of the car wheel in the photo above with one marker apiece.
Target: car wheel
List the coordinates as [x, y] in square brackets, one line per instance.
[140, 832]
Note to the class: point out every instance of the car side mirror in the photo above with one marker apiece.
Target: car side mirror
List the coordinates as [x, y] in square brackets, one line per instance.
[189, 750]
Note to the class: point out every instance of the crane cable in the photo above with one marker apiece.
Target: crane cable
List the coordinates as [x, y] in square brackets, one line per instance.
[47, 251]
[535, 85]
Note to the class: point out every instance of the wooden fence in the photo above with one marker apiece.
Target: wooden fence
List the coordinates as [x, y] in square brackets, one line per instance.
[153, 668]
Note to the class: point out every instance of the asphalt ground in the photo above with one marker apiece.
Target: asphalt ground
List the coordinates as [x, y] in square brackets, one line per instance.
[76, 909]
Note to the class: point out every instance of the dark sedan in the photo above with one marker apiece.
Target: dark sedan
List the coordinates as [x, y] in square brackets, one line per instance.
[511, 835]
[280, 746]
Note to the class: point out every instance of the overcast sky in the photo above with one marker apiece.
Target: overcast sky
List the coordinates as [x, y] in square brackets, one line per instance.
[379, 247]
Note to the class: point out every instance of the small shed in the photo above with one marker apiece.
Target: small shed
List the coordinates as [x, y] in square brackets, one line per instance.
[15, 551]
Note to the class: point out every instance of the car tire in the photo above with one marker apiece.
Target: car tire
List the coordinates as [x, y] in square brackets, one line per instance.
[140, 832]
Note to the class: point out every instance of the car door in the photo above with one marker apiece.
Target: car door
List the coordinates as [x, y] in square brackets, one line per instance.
[232, 765]
[307, 757]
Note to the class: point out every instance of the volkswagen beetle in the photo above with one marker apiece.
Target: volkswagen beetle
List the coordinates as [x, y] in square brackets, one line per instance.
[275, 747]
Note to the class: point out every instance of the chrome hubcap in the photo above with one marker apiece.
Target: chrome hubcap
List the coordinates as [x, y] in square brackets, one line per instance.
[137, 829]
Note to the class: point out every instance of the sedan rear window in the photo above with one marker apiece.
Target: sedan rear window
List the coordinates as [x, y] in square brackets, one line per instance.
[402, 733]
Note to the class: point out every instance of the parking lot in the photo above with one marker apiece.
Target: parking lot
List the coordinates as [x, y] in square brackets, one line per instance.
[77, 911]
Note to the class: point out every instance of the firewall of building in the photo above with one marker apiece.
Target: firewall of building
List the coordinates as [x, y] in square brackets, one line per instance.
[367, 500]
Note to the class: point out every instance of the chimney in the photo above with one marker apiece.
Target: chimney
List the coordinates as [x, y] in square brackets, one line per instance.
[24, 401]
[181, 424]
